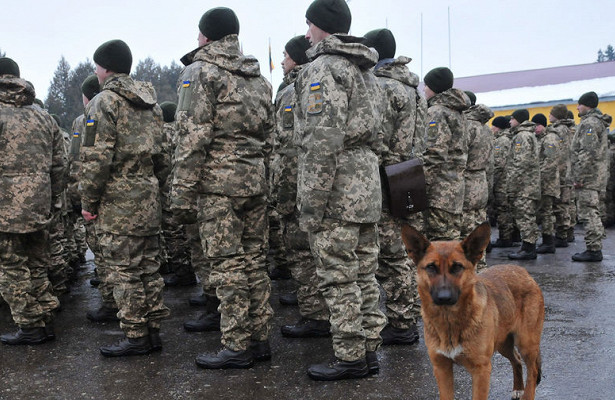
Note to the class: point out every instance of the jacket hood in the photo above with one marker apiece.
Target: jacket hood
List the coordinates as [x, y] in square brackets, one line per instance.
[452, 98]
[397, 69]
[16, 91]
[525, 126]
[479, 112]
[347, 46]
[291, 77]
[141, 94]
[226, 54]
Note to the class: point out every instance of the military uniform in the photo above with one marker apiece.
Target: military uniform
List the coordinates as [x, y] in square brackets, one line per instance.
[403, 137]
[31, 180]
[501, 151]
[339, 196]
[224, 117]
[523, 180]
[589, 168]
[549, 158]
[284, 193]
[77, 129]
[445, 161]
[561, 207]
[121, 158]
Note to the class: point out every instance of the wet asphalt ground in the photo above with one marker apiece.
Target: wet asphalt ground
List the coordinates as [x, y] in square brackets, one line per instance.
[577, 349]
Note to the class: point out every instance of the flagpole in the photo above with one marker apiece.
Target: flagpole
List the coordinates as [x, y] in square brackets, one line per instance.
[270, 64]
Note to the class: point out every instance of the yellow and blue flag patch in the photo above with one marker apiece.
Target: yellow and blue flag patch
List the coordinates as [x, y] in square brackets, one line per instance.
[432, 123]
[288, 108]
[90, 122]
[75, 134]
[186, 84]
[315, 86]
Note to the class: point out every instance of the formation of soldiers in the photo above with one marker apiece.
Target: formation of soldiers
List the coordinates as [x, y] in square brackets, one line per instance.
[193, 188]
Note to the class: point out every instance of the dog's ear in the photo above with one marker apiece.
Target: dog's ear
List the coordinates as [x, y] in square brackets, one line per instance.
[475, 244]
[415, 242]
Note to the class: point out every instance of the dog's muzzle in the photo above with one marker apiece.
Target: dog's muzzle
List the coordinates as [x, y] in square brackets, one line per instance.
[444, 296]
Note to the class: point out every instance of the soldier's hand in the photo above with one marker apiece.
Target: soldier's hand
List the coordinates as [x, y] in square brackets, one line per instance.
[88, 216]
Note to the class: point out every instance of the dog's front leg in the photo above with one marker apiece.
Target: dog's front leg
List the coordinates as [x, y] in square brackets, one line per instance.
[443, 371]
[481, 376]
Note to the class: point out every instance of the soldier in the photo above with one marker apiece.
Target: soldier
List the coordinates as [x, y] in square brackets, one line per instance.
[403, 138]
[560, 125]
[224, 118]
[314, 320]
[479, 169]
[501, 130]
[338, 193]
[31, 175]
[549, 158]
[589, 172]
[445, 155]
[523, 180]
[119, 185]
[610, 186]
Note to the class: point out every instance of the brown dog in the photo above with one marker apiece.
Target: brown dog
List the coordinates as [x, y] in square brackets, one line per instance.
[467, 317]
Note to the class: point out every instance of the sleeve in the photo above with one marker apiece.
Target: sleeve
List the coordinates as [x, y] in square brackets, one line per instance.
[438, 136]
[405, 125]
[588, 145]
[58, 162]
[98, 151]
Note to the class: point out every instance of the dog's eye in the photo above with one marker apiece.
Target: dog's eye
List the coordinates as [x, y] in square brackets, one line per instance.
[431, 269]
[456, 268]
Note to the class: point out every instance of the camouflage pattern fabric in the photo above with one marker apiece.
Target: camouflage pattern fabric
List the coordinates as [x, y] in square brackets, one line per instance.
[58, 266]
[199, 263]
[610, 189]
[137, 286]
[224, 119]
[501, 150]
[524, 214]
[588, 206]
[563, 204]
[105, 288]
[549, 158]
[546, 215]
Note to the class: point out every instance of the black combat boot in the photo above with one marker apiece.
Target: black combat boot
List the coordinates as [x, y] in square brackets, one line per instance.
[502, 243]
[128, 347]
[25, 336]
[547, 246]
[371, 358]
[174, 280]
[226, 358]
[204, 323]
[307, 328]
[198, 301]
[339, 369]
[561, 242]
[588, 255]
[527, 252]
[154, 339]
[289, 299]
[50, 331]
[261, 351]
[103, 314]
[570, 235]
[392, 335]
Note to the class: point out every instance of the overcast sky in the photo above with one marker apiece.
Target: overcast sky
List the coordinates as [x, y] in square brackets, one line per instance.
[486, 36]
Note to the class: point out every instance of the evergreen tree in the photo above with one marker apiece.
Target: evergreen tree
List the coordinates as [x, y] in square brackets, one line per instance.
[74, 97]
[609, 53]
[167, 91]
[57, 95]
[600, 56]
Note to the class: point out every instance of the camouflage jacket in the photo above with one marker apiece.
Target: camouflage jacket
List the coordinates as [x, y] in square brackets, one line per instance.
[501, 151]
[523, 166]
[446, 150]
[224, 118]
[404, 119]
[562, 129]
[32, 163]
[283, 166]
[121, 158]
[479, 167]
[590, 151]
[337, 134]
[77, 129]
[548, 142]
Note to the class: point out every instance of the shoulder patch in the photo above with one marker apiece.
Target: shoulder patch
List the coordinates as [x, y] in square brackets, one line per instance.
[186, 84]
[433, 123]
[315, 86]
[589, 132]
[315, 99]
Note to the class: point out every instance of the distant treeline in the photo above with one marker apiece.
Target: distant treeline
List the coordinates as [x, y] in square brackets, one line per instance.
[606, 55]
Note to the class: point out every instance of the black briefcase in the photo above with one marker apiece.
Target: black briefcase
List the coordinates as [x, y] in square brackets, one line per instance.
[405, 184]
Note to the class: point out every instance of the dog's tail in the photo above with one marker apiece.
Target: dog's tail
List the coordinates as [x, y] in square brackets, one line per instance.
[539, 365]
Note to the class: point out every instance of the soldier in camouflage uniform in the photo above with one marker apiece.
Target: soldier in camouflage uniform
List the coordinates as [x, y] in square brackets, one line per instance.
[501, 149]
[523, 180]
[549, 158]
[479, 166]
[31, 173]
[589, 172]
[338, 190]
[445, 155]
[403, 137]
[224, 118]
[610, 186]
[176, 251]
[572, 206]
[560, 125]
[314, 320]
[121, 172]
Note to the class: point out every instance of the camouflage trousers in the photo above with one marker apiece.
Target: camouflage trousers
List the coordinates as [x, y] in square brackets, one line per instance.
[79, 232]
[442, 225]
[561, 211]
[504, 215]
[58, 267]
[176, 247]
[24, 258]
[588, 205]
[234, 236]
[105, 288]
[524, 213]
[546, 215]
[312, 304]
[199, 263]
[133, 262]
[347, 259]
[470, 220]
[397, 275]
[277, 247]
[71, 253]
